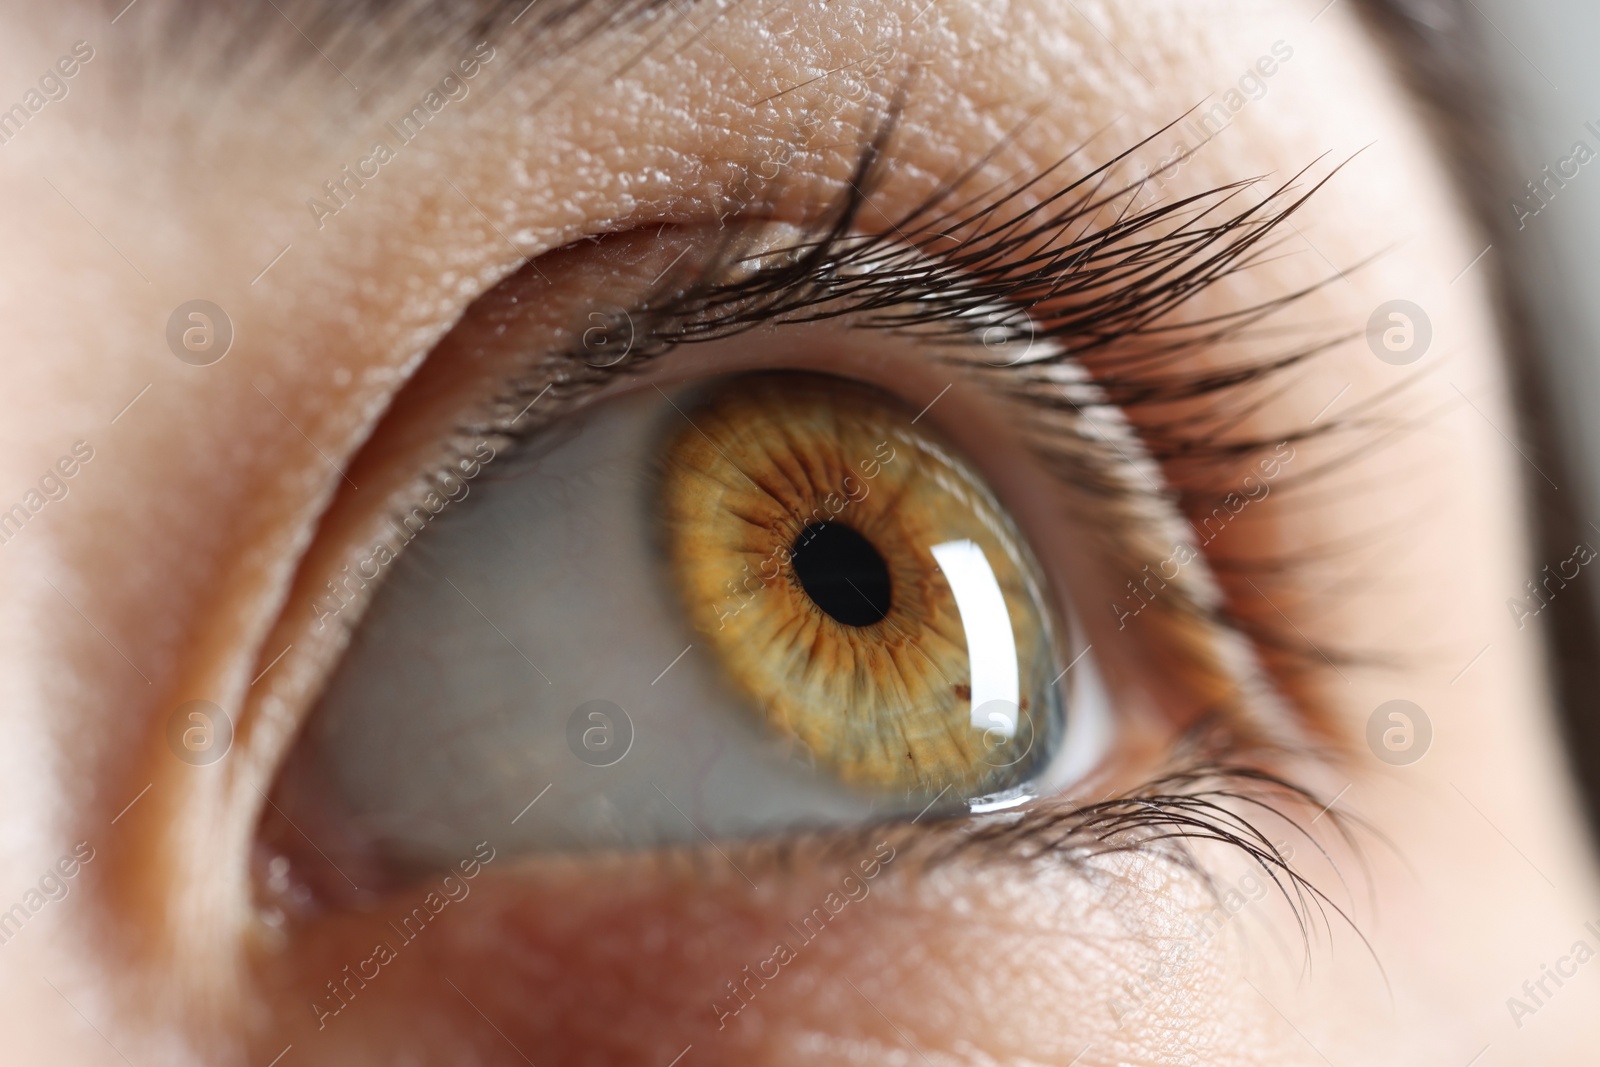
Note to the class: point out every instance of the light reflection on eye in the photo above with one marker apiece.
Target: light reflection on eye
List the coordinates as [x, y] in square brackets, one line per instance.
[778, 602]
[996, 693]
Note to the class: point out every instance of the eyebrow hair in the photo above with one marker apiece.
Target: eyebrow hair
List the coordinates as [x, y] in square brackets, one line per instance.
[370, 42]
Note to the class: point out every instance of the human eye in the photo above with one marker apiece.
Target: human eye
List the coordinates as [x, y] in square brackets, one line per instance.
[754, 476]
[777, 534]
[872, 632]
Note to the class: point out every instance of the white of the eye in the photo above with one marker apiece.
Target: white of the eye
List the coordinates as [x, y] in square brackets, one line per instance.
[991, 643]
[1090, 722]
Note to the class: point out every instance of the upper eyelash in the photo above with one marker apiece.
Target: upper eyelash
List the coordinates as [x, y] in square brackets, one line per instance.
[1112, 282]
[1046, 271]
[1024, 276]
[1088, 290]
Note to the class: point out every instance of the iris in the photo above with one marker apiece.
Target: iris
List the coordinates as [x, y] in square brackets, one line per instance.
[860, 586]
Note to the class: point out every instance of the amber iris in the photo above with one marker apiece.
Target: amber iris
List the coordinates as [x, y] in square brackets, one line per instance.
[860, 585]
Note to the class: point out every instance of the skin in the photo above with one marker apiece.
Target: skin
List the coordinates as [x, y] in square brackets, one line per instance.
[169, 572]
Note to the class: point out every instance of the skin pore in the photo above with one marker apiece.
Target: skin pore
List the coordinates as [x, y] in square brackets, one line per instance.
[171, 569]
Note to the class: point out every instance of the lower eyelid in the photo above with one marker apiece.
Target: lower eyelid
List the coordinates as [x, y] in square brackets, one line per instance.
[553, 950]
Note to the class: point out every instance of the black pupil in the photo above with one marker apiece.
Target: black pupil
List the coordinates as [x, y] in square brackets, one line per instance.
[842, 572]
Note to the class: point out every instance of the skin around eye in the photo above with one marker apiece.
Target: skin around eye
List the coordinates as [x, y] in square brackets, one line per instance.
[862, 586]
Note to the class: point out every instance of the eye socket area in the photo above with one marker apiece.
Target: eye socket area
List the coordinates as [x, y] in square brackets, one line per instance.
[520, 333]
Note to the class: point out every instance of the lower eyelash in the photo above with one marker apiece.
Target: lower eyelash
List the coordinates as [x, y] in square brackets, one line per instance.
[1160, 820]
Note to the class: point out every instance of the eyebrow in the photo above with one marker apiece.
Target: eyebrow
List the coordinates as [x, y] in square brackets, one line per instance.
[370, 42]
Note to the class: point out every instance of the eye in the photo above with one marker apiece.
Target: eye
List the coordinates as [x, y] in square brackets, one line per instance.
[732, 584]
[748, 606]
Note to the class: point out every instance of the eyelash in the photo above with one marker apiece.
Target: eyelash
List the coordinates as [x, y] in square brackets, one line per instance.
[978, 289]
[1161, 819]
[1046, 272]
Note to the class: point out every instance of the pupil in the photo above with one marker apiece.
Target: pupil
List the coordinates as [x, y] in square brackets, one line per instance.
[842, 573]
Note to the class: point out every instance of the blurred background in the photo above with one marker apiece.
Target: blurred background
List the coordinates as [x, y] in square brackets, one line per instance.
[1545, 58]
[1543, 83]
